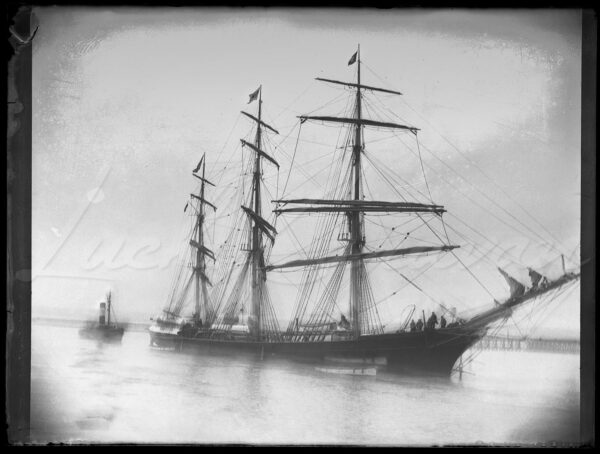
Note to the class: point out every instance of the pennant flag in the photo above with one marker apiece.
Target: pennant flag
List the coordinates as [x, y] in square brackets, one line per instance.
[254, 95]
[185, 208]
[199, 164]
[516, 288]
[353, 58]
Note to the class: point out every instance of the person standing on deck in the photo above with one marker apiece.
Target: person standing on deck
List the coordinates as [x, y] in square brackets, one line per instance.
[413, 326]
[344, 323]
[432, 321]
[419, 325]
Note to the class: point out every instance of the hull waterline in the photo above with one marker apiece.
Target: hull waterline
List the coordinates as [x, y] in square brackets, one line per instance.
[102, 334]
[432, 352]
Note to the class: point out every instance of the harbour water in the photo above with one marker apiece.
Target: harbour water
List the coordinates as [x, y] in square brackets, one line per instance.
[83, 391]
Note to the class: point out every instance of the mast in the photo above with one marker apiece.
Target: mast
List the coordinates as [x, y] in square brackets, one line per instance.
[200, 278]
[199, 259]
[207, 315]
[362, 308]
[200, 262]
[355, 217]
[256, 250]
[259, 226]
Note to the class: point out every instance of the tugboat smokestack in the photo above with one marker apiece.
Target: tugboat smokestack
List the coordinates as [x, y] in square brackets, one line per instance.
[102, 318]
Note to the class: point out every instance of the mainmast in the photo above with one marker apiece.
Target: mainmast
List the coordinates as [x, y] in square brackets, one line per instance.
[256, 251]
[356, 216]
[363, 311]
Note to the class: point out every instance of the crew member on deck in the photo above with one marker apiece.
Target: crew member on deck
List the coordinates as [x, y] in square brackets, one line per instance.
[432, 321]
[413, 326]
[419, 325]
[344, 323]
[442, 322]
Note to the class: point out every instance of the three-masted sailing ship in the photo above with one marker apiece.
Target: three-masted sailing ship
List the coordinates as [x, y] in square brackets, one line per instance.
[237, 314]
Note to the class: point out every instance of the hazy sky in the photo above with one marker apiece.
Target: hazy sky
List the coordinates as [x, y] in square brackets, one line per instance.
[126, 100]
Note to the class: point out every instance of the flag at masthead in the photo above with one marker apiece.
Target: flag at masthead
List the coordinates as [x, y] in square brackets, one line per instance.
[254, 95]
[199, 165]
[353, 59]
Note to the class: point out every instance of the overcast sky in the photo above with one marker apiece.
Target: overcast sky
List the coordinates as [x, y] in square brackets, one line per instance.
[126, 101]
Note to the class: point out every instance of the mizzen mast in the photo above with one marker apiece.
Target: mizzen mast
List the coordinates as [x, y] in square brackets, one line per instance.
[199, 269]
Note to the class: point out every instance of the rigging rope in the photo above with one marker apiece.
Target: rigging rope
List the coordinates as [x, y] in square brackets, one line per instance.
[474, 164]
[292, 163]
[544, 241]
[423, 169]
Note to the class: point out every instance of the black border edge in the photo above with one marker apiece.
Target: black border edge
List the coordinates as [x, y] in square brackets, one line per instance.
[589, 49]
[18, 201]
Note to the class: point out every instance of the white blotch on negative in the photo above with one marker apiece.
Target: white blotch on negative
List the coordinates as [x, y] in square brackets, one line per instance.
[95, 195]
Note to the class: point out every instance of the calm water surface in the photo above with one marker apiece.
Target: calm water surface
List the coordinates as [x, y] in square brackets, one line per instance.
[83, 391]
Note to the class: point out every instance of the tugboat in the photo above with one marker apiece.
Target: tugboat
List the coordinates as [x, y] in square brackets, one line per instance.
[104, 330]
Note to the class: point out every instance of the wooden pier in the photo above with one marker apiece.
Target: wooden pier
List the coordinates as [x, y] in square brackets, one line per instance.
[529, 344]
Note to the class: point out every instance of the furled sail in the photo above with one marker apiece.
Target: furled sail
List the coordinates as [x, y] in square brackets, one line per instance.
[204, 180]
[357, 205]
[360, 122]
[203, 249]
[360, 86]
[536, 278]
[260, 122]
[363, 256]
[516, 288]
[203, 200]
[264, 154]
[203, 276]
[262, 224]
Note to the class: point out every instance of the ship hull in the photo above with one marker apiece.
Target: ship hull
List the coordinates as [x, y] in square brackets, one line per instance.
[112, 334]
[429, 352]
[432, 352]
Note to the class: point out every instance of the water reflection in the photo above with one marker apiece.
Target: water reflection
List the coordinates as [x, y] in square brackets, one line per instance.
[82, 390]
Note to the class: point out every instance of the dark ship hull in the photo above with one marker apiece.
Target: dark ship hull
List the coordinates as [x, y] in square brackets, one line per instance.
[432, 352]
[429, 352]
[102, 333]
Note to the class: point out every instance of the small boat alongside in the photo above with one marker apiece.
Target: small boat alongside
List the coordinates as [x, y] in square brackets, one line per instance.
[370, 371]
